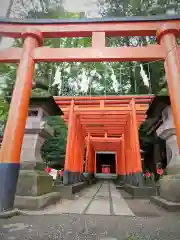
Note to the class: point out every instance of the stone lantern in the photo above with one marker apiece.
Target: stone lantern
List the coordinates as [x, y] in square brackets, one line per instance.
[170, 184]
[167, 132]
[35, 188]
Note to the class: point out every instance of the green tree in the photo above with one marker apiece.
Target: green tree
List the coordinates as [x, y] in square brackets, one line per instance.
[4, 108]
[54, 149]
[123, 8]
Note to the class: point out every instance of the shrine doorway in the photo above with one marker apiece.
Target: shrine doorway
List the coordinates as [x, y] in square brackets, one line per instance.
[105, 159]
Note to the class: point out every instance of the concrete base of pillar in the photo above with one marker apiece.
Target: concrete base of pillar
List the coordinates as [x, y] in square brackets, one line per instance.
[90, 178]
[72, 177]
[82, 177]
[90, 175]
[36, 202]
[67, 178]
[120, 180]
[135, 179]
[140, 192]
[8, 180]
[68, 192]
[34, 189]
[77, 177]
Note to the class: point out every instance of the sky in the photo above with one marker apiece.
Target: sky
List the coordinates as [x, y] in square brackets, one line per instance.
[88, 6]
[4, 7]
[6, 42]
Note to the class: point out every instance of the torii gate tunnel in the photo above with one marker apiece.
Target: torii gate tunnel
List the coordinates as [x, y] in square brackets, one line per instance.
[126, 142]
[102, 124]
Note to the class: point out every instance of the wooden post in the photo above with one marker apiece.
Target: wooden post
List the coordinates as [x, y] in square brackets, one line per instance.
[80, 159]
[122, 167]
[117, 164]
[89, 159]
[128, 155]
[135, 133]
[167, 37]
[98, 40]
[68, 161]
[87, 153]
[135, 146]
[82, 147]
[93, 162]
[14, 131]
[75, 151]
[127, 146]
[82, 154]
[91, 165]
[132, 144]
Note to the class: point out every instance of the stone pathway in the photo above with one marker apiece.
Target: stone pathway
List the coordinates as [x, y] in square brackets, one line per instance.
[104, 199]
[100, 199]
[99, 212]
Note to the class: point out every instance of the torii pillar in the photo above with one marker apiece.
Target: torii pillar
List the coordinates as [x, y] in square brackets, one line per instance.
[169, 184]
[121, 164]
[68, 166]
[166, 36]
[90, 158]
[132, 149]
[74, 149]
[14, 131]
[79, 148]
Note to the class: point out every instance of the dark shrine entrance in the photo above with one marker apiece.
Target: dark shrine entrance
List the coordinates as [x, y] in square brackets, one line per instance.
[105, 159]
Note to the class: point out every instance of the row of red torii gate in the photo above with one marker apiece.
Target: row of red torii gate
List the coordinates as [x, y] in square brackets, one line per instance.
[102, 124]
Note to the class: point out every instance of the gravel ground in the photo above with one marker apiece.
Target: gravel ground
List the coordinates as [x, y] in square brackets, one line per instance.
[149, 222]
[70, 226]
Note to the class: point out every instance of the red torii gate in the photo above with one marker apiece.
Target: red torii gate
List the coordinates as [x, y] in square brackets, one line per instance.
[165, 28]
[112, 144]
[108, 123]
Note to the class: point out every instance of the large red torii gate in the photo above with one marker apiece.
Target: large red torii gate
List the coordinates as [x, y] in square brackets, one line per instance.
[166, 29]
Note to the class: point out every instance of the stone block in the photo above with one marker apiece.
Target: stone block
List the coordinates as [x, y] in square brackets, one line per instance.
[120, 180]
[135, 179]
[36, 202]
[33, 183]
[68, 191]
[34, 190]
[168, 205]
[170, 188]
[119, 186]
[140, 192]
[9, 214]
[94, 181]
